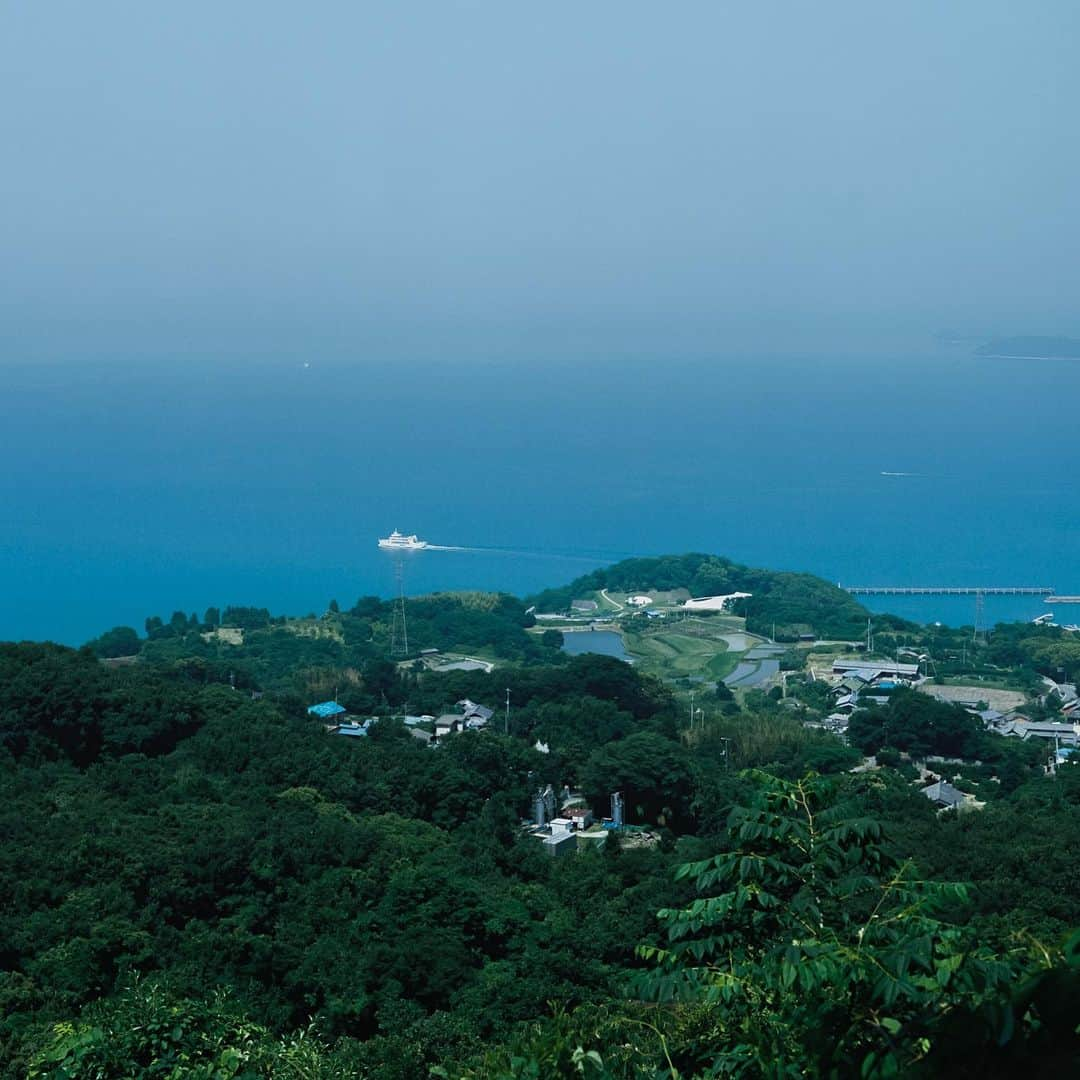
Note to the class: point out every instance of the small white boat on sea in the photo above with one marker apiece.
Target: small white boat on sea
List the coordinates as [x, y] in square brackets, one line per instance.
[399, 542]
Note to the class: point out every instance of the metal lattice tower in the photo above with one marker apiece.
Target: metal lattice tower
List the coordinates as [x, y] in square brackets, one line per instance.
[399, 634]
[979, 633]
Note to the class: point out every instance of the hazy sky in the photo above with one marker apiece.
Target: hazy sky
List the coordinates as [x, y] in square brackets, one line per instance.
[256, 176]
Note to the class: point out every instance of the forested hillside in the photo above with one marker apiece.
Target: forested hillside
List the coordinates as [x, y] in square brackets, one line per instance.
[199, 880]
[793, 603]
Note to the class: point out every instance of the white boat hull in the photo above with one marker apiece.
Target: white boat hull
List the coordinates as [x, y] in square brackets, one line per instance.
[399, 542]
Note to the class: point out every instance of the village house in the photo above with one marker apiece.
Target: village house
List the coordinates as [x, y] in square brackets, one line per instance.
[448, 724]
[475, 716]
[1064, 734]
[354, 730]
[946, 797]
[870, 671]
[327, 710]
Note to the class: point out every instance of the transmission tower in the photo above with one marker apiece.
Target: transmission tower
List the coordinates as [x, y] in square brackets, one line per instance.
[979, 632]
[399, 634]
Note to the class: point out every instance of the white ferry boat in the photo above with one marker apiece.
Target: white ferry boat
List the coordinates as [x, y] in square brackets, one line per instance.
[408, 543]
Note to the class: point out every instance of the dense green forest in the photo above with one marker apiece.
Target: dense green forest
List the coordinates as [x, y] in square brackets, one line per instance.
[793, 603]
[198, 880]
[344, 653]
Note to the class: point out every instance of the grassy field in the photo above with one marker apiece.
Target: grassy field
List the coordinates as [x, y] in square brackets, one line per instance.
[1003, 700]
[676, 653]
[980, 681]
[661, 598]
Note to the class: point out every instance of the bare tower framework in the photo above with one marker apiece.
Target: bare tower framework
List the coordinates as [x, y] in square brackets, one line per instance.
[399, 634]
[979, 633]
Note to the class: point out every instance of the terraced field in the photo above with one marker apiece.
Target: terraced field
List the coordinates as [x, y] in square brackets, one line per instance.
[676, 654]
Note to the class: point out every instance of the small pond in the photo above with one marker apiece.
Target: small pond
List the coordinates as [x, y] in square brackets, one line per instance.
[606, 642]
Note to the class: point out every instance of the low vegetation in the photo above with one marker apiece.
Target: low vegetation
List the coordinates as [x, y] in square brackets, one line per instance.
[694, 648]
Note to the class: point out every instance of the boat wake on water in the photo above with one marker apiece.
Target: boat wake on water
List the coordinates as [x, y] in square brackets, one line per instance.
[399, 542]
[518, 553]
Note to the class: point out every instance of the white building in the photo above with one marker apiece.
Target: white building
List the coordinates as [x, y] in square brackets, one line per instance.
[715, 603]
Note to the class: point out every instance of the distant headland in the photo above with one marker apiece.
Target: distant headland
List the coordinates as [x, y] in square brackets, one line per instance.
[1041, 348]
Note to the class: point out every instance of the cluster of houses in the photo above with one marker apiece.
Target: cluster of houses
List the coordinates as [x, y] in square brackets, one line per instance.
[337, 720]
[1064, 733]
[864, 682]
[430, 730]
[1015, 725]
[565, 823]
[471, 717]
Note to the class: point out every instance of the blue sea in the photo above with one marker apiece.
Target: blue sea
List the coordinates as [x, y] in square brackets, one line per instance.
[132, 489]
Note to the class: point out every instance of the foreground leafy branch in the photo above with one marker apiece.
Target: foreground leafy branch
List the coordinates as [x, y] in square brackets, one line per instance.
[819, 954]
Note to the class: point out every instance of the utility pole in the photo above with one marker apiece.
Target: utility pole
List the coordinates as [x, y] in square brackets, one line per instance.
[506, 728]
[691, 710]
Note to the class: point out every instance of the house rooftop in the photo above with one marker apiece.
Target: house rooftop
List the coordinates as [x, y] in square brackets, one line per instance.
[351, 729]
[473, 711]
[944, 794]
[326, 709]
[878, 667]
[1042, 729]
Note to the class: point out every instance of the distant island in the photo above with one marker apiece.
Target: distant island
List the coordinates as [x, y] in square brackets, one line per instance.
[1043, 348]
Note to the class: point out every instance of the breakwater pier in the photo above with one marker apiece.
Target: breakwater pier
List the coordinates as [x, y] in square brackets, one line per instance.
[958, 590]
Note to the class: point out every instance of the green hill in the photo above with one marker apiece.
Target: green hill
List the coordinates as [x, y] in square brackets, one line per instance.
[796, 603]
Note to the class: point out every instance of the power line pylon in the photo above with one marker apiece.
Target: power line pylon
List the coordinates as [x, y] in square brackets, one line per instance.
[979, 633]
[399, 634]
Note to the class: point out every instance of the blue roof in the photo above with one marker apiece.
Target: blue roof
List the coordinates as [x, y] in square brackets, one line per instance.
[326, 708]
